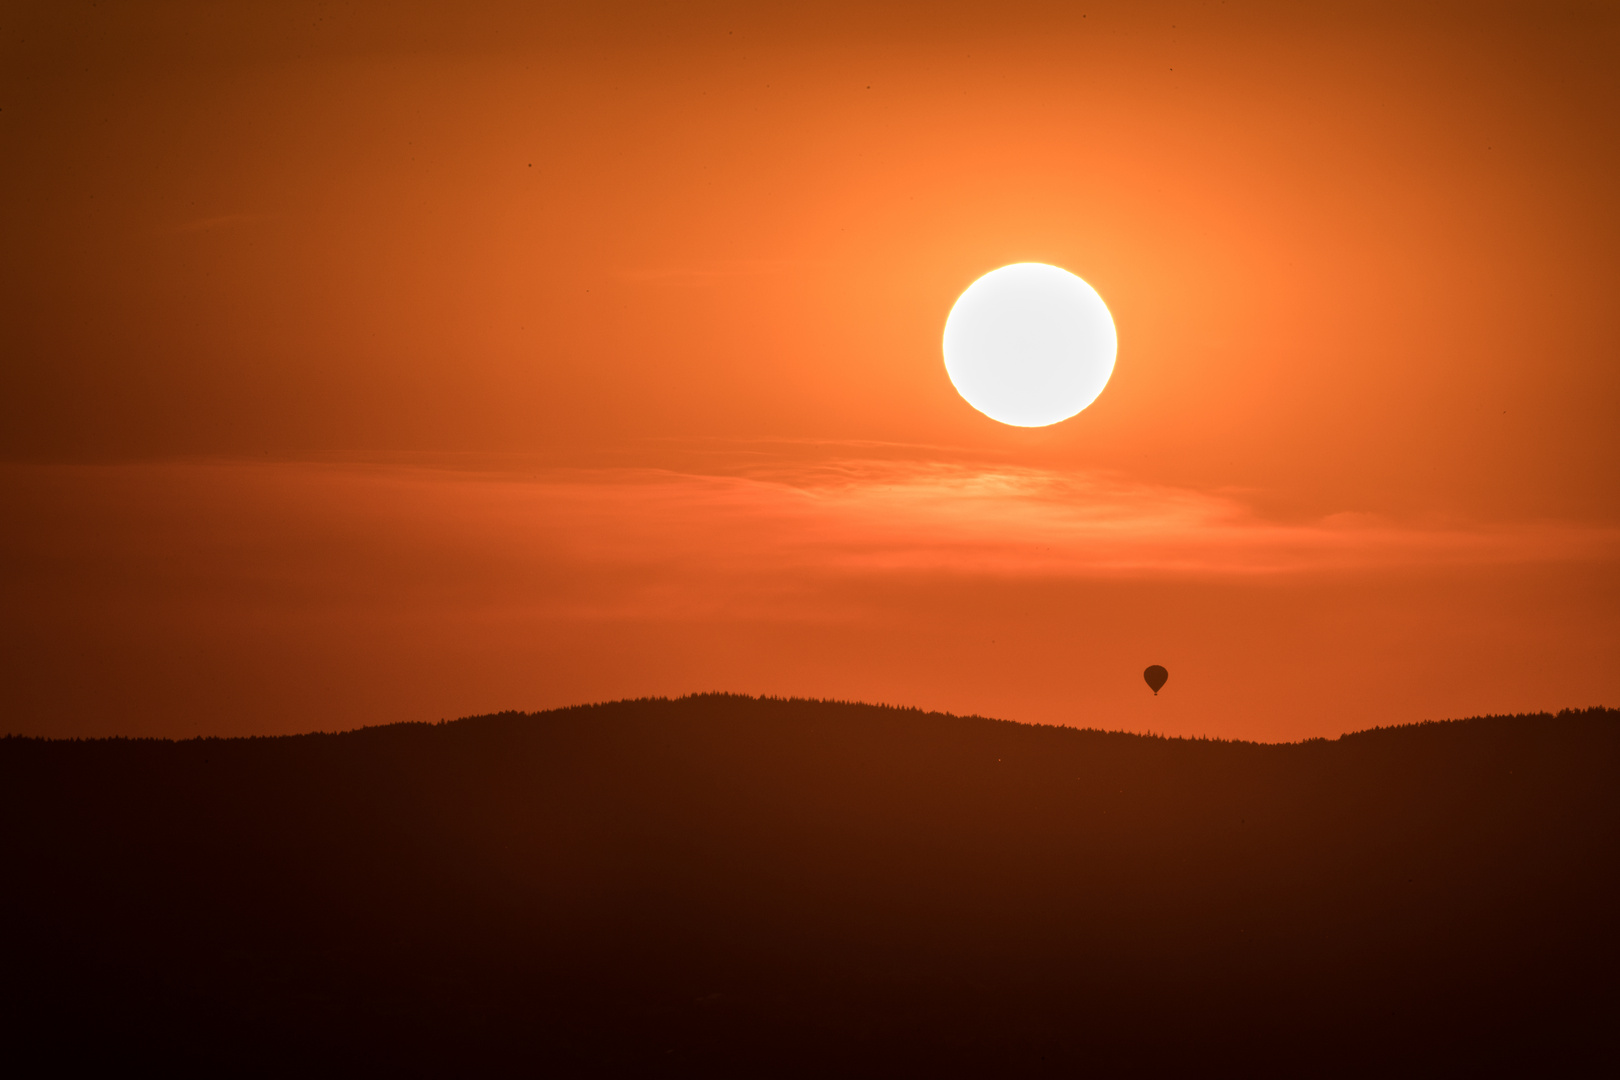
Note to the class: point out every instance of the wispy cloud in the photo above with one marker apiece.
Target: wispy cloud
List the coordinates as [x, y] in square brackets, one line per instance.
[870, 516]
[771, 538]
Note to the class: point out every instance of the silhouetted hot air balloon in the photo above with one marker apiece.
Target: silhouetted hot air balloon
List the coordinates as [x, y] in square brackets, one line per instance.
[1156, 677]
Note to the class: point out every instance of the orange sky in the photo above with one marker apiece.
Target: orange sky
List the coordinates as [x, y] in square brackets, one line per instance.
[373, 362]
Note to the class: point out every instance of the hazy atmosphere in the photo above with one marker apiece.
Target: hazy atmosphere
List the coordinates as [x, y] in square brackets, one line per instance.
[367, 363]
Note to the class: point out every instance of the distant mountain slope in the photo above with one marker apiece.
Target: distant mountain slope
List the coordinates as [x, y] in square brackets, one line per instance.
[725, 885]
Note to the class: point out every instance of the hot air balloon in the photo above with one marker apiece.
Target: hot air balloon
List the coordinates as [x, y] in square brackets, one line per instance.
[1156, 677]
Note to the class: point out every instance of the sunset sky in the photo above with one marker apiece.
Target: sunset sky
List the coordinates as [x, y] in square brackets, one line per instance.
[380, 362]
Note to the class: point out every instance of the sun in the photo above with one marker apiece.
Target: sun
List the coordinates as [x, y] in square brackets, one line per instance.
[1030, 345]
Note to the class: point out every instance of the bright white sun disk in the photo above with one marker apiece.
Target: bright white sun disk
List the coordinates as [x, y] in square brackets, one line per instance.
[1030, 345]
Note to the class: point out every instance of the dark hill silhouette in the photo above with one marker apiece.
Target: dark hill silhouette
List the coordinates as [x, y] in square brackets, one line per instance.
[723, 885]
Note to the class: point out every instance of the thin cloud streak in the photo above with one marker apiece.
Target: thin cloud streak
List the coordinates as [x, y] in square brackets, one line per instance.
[769, 541]
[868, 516]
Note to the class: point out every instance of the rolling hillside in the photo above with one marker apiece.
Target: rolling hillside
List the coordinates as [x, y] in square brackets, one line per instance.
[725, 885]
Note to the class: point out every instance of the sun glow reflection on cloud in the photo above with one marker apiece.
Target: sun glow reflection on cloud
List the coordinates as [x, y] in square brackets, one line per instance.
[865, 516]
[744, 536]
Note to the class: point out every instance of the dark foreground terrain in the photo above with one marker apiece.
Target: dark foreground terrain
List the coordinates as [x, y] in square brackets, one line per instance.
[721, 885]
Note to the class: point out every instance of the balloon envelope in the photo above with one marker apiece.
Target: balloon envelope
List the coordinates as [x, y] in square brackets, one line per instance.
[1156, 677]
